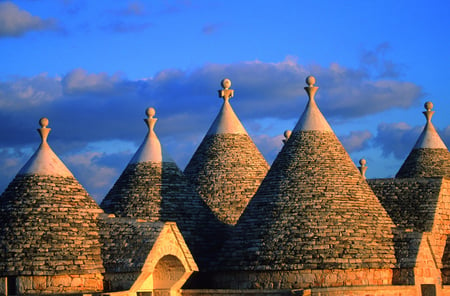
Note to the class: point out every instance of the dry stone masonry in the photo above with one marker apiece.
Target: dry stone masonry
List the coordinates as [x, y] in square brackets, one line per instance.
[312, 224]
[227, 167]
[153, 188]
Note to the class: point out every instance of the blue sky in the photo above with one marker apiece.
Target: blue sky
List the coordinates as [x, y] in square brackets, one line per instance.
[93, 67]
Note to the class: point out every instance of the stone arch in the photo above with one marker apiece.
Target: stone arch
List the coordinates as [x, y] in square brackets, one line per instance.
[168, 276]
[168, 265]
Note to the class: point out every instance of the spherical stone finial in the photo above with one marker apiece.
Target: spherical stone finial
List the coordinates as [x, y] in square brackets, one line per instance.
[150, 112]
[287, 133]
[310, 80]
[362, 162]
[428, 106]
[43, 122]
[226, 83]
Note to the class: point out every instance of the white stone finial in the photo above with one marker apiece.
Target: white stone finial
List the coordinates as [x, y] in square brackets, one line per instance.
[226, 93]
[226, 83]
[44, 130]
[43, 122]
[150, 121]
[287, 134]
[429, 138]
[150, 112]
[312, 119]
[363, 167]
[428, 113]
[44, 161]
[311, 89]
[310, 80]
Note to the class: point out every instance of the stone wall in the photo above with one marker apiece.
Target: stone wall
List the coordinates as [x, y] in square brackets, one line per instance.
[302, 279]
[420, 208]
[120, 281]
[226, 292]
[57, 284]
[347, 291]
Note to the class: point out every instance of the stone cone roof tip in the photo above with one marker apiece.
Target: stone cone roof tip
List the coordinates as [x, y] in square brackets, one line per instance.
[313, 210]
[150, 150]
[226, 121]
[227, 167]
[312, 119]
[429, 138]
[44, 161]
[430, 156]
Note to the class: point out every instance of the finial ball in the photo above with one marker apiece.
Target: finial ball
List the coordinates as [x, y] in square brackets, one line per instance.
[310, 80]
[43, 122]
[226, 83]
[150, 112]
[428, 105]
[362, 162]
[287, 133]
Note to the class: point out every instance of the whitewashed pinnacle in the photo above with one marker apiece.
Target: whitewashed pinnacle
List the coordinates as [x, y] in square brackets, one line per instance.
[44, 161]
[150, 150]
[226, 121]
[312, 119]
[429, 138]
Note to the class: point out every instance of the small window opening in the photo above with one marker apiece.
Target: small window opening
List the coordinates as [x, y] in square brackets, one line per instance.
[11, 285]
[428, 290]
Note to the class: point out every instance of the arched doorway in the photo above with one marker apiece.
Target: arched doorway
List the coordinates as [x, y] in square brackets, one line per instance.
[168, 271]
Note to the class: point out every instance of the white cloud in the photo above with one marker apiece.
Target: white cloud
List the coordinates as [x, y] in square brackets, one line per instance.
[15, 22]
[88, 107]
[398, 138]
[89, 171]
[23, 92]
[79, 81]
[356, 140]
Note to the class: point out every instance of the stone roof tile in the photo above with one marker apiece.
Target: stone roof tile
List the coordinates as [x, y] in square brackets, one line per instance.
[48, 222]
[313, 210]
[429, 156]
[227, 167]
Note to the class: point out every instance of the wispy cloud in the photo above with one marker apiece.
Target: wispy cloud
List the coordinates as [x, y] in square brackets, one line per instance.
[15, 22]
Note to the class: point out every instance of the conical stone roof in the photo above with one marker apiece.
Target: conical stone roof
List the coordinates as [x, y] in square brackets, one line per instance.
[152, 187]
[429, 156]
[312, 211]
[227, 167]
[48, 222]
